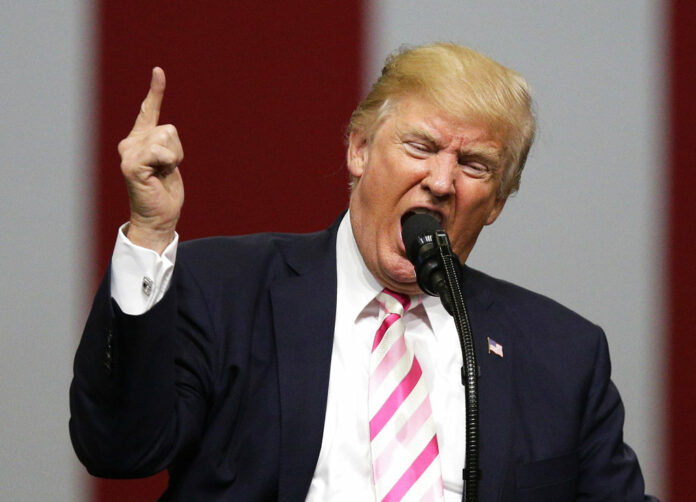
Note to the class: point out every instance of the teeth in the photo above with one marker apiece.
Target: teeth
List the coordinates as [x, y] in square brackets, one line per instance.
[422, 210]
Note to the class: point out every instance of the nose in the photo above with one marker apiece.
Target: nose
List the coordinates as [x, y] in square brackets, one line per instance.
[441, 174]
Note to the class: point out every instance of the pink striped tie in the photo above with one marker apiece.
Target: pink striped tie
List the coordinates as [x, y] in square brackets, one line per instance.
[405, 455]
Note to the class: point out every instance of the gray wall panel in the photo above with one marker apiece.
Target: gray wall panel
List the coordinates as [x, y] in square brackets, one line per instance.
[44, 258]
[587, 226]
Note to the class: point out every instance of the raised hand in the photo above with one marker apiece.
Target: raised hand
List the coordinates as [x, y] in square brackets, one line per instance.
[150, 156]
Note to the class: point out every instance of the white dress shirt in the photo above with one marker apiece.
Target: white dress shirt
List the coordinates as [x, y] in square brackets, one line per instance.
[140, 277]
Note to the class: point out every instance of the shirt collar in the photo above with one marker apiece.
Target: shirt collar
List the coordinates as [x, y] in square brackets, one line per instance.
[437, 316]
[356, 285]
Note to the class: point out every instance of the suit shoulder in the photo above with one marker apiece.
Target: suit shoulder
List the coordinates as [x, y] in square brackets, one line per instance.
[216, 258]
[546, 334]
[529, 309]
[222, 247]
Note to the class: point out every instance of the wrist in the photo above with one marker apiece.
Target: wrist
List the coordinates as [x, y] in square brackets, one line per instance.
[149, 237]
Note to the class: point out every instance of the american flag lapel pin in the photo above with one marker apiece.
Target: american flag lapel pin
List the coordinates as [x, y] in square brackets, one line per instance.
[495, 347]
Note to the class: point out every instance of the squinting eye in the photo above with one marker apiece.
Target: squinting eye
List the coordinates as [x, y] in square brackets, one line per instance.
[419, 146]
[474, 167]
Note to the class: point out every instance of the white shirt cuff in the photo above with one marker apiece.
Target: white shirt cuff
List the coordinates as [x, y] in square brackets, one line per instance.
[139, 276]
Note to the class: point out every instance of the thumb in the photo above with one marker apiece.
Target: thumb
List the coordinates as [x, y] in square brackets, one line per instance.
[150, 107]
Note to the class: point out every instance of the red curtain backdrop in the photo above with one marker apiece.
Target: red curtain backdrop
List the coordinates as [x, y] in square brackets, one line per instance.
[260, 93]
[681, 301]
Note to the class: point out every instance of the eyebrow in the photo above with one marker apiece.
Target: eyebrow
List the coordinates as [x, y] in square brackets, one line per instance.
[419, 132]
[484, 153]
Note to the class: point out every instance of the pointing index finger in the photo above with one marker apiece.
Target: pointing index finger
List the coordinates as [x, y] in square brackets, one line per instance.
[150, 108]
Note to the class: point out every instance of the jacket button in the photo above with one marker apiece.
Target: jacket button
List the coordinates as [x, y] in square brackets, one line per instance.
[107, 354]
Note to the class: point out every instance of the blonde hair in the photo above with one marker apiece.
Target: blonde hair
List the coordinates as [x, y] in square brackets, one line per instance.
[464, 84]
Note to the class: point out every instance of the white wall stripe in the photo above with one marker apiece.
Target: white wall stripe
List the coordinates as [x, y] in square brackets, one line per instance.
[45, 263]
[587, 225]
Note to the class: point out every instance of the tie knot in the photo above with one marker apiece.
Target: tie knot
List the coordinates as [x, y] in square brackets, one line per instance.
[393, 302]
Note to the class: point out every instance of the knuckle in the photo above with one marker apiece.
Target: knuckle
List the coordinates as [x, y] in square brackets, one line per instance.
[123, 146]
[160, 136]
[126, 168]
[169, 132]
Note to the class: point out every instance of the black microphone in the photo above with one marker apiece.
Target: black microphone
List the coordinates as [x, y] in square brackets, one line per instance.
[440, 273]
[423, 249]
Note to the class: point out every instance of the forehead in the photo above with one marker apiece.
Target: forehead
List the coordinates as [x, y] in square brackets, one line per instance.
[417, 118]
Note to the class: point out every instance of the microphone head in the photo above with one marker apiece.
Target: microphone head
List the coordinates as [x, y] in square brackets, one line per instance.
[417, 230]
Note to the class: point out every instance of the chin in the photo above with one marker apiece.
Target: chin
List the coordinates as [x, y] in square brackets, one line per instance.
[401, 272]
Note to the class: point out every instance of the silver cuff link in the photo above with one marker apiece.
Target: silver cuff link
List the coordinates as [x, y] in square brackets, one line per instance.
[147, 286]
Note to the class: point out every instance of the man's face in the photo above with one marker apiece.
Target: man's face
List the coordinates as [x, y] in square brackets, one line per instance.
[420, 159]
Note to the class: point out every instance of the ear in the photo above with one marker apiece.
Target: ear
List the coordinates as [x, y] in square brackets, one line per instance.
[357, 153]
[496, 210]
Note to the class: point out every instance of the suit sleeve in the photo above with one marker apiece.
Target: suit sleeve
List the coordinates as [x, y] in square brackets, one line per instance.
[142, 384]
[609, 467]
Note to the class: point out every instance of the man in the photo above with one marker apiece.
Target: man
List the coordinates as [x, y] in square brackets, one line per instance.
[311, 367]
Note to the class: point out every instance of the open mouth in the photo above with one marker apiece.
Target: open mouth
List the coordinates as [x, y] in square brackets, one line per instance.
[417, 210]
[422, 210]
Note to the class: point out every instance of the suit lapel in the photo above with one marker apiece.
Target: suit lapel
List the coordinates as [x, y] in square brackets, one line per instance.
[495, 389]
[304, 330]
[304, 309]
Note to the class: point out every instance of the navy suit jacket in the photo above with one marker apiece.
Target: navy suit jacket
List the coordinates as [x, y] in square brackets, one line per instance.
[224, 382]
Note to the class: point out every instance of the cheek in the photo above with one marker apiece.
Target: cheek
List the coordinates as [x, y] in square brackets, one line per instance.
[386, 184]
[474, 206]
[475, 195]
